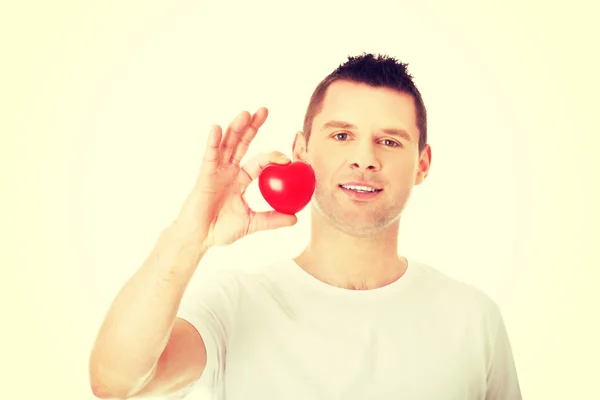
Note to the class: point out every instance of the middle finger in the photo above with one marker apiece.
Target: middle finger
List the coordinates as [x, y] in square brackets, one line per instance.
[257, 120]
[232, 135]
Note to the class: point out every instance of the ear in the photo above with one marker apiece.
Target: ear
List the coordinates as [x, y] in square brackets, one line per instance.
[424, 165]
[299, 148]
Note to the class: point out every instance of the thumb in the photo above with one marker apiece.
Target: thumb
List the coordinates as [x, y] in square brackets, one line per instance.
[267, 220]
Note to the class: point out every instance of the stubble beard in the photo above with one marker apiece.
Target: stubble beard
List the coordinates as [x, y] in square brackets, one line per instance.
[366, 222]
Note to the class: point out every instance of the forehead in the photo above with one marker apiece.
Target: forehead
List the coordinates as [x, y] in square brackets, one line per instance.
[368, 107]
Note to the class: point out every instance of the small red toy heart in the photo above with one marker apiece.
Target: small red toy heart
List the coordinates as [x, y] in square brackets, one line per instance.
[287, 188]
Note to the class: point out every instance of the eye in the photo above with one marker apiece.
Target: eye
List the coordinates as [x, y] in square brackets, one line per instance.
[391, 143]
[338, 134]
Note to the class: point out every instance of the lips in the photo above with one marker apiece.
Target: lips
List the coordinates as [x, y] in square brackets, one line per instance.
[361, 187]
[360, 196]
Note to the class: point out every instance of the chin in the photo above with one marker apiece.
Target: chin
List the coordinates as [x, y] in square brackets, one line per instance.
[360, 224]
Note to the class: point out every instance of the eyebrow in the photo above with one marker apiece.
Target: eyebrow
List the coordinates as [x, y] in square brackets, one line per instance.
[346, 125]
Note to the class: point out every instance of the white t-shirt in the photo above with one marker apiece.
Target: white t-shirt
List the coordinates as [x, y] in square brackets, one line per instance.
[281, 334]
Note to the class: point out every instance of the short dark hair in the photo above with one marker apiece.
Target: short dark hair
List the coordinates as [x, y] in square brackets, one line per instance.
[377, 71]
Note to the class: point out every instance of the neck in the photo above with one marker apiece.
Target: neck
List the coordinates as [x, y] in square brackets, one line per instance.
[353, 262]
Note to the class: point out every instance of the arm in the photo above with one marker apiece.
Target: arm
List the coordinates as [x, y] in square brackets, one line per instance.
[142, 348]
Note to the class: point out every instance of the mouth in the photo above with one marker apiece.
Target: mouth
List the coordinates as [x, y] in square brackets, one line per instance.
[360, 193]
[361, 188]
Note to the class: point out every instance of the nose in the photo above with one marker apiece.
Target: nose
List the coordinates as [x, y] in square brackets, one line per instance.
[364, 158]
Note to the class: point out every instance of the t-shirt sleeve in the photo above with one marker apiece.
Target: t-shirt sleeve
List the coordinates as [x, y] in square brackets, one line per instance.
[210, 304]
[502, 379]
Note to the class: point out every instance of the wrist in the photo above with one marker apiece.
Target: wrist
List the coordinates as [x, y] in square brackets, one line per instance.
[186, 235]
[182, 248]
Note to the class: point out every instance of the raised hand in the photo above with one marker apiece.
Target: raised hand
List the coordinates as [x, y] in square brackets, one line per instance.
[215, 212]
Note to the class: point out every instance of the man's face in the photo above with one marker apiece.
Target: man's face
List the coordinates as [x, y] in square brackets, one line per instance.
[369, 136]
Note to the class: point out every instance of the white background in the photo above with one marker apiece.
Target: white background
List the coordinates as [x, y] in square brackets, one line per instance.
[105, 110]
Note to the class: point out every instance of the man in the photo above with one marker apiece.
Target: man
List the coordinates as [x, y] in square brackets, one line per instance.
[348, 318]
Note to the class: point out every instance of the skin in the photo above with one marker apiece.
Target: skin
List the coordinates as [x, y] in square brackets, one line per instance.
[354, 244]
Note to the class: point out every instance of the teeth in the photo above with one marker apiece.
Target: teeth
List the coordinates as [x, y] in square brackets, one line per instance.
[359, 188]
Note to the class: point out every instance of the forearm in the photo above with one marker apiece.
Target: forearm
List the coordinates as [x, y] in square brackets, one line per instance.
[138, 324]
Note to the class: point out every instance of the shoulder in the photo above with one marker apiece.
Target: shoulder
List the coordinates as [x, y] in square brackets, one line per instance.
[460, 296]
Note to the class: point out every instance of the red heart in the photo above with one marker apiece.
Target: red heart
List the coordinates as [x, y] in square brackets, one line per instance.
[287, 188]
